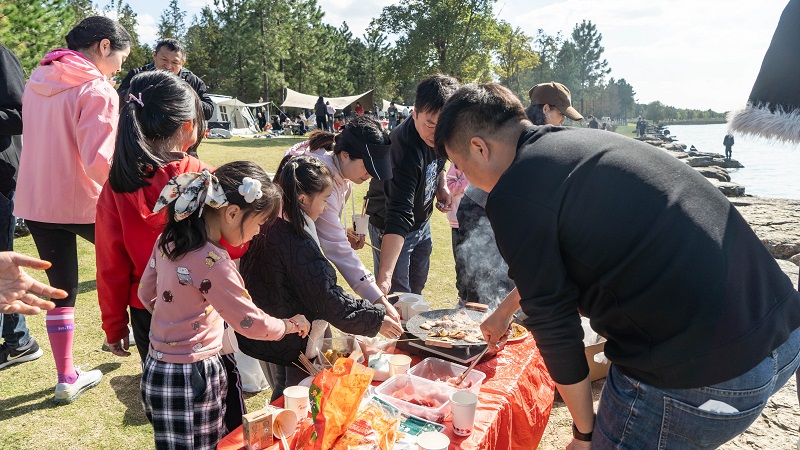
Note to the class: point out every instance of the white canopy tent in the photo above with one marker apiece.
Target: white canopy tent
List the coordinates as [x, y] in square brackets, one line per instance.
[399, 107]
[296, 99]
[232, 115]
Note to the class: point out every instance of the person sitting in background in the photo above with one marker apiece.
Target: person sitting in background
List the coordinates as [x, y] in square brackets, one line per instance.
[300, 126]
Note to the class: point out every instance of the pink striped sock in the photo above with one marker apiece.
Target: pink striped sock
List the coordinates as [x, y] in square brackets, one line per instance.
[60, 330]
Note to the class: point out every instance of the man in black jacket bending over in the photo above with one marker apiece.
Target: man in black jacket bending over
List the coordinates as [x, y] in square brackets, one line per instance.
[600, 225]
[400, 209]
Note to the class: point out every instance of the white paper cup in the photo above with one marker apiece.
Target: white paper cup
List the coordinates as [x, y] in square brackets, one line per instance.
[417, 308]
[433, 440]
[399, 364]
[284, 421]
[463, 405]
[405, 303]
[361, 224]
[295, 398]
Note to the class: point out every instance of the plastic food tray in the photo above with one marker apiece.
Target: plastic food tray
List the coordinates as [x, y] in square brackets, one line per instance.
[342, 344]
[405, 386]
[439, 370]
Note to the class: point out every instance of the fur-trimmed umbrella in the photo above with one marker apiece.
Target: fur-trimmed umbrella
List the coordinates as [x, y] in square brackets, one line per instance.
[773, 109]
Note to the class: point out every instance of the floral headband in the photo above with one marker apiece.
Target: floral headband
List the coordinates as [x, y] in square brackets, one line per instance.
[191, 191]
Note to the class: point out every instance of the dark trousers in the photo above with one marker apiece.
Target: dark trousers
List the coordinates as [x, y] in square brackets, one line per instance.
[285, 376]
[15, 331]
[234, 400]
[322, 123]
[58, 243]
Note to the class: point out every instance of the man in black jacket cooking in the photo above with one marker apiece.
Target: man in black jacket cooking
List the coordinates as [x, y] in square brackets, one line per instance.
[400, 208]
[601, 225]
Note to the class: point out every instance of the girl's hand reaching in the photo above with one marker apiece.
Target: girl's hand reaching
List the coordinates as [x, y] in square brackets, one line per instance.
[391, 328]
[297, 324]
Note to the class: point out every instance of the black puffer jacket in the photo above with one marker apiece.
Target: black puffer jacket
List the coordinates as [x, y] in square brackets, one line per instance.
[194, 81]
[287, 274]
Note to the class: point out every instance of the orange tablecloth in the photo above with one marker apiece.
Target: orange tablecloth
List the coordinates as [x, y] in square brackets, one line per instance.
[513, 405]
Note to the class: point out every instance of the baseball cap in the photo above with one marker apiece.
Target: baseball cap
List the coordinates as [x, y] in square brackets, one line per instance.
[376, 156]
[555, 94]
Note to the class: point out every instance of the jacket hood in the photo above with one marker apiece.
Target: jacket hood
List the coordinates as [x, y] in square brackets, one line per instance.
[144, 199]
[62, 69]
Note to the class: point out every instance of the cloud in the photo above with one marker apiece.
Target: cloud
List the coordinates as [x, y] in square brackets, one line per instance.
[147, 28]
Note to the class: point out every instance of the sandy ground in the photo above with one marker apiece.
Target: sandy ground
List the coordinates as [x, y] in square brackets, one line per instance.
[775, 429]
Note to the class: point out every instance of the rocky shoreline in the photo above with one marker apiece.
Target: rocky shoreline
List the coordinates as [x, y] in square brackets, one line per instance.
[776, 221]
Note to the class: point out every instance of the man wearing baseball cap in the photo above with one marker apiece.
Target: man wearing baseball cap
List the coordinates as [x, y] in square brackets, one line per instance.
[551, 103]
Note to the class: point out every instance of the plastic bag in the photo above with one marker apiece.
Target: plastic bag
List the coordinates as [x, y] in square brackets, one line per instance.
[335, 395]
[375, 427]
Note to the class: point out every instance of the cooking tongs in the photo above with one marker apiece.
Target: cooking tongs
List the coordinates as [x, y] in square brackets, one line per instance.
[461, 377]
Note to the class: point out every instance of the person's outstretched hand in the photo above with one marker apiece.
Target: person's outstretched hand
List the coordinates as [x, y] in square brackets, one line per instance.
[18, 289]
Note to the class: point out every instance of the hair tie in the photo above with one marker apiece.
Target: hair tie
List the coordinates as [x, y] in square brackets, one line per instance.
[190, 191]
[250, 189]
[132, 98]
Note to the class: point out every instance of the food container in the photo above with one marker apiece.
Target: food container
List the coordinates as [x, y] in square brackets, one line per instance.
[375, 345]
[331, 349]
[439, 370]
[423, 398]
[380, 364]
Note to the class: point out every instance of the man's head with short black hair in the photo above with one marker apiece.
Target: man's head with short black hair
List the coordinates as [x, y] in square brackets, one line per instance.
[475, 110]
[170, 55]
[173, 45]
[433, 92]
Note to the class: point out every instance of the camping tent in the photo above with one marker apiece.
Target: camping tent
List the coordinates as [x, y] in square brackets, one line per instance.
[399, 107]
[232, 115]
[295, 99]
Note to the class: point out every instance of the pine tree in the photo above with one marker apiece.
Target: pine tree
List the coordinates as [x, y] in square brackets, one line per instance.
[32, 28]
[172, 23]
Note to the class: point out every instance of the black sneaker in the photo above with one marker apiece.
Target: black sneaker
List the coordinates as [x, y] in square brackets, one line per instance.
[28, 352]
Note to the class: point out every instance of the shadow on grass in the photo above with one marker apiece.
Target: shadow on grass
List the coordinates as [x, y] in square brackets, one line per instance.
[283, 143]
[128, 393]
[87, 286]
[12, 407]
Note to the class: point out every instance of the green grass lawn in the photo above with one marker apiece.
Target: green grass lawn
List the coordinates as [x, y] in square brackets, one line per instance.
[110, 415]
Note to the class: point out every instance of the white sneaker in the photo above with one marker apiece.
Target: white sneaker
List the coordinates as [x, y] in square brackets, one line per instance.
[67, 393]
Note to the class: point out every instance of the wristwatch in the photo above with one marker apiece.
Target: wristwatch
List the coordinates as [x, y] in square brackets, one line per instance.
[586, 437]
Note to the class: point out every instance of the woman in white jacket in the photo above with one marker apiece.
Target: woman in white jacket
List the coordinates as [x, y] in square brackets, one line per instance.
[358, 153]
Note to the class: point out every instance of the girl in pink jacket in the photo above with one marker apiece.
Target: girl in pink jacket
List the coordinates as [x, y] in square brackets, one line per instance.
[70, 117]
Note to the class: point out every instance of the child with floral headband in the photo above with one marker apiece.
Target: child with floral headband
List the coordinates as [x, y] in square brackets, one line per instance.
[191, 286]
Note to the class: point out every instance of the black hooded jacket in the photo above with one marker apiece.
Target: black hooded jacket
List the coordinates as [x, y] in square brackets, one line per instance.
[287, 274]
[186, 75]
[12, 83]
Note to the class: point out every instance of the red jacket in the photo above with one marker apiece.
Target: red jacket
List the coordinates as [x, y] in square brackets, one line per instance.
[125, 233]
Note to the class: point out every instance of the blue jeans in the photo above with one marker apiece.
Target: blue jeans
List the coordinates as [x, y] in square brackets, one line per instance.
[411, 271]
[635, 415]
[14, 330]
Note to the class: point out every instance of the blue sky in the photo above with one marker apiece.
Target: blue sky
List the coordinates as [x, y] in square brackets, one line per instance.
[686, 53]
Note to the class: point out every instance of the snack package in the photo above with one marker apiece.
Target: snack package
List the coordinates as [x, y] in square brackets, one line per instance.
[375, 428]
[335, 395]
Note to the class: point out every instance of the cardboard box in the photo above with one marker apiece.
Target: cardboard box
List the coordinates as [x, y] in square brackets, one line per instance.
[257, 427]
[596, 370]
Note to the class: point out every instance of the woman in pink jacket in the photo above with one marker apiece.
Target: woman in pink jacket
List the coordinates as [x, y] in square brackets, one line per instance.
[70, 115]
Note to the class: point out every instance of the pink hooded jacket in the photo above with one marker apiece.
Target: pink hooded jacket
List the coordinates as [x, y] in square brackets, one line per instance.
[70, 111]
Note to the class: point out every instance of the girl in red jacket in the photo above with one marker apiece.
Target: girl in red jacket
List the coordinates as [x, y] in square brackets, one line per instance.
[161, 118]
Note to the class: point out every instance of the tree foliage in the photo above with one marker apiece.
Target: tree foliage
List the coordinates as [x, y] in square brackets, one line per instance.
[32, 28]
[173, 22]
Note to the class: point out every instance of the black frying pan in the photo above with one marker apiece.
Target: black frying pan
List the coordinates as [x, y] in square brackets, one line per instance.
[413, 325]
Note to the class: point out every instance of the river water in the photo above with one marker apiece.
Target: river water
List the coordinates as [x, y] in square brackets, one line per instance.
[770, 169]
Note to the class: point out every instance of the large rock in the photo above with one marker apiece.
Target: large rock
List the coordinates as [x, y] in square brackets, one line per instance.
[728, 188]
[714, 172]
[776, 222]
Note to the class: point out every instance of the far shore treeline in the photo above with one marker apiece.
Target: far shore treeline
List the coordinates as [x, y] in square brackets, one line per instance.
[256, 48]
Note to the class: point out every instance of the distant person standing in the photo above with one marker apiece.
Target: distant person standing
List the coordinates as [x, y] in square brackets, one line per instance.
[18, 344]
[593, 122]
[170, 55]
[728, 143]
[321, 113]
[331, 112]
[392, 116]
